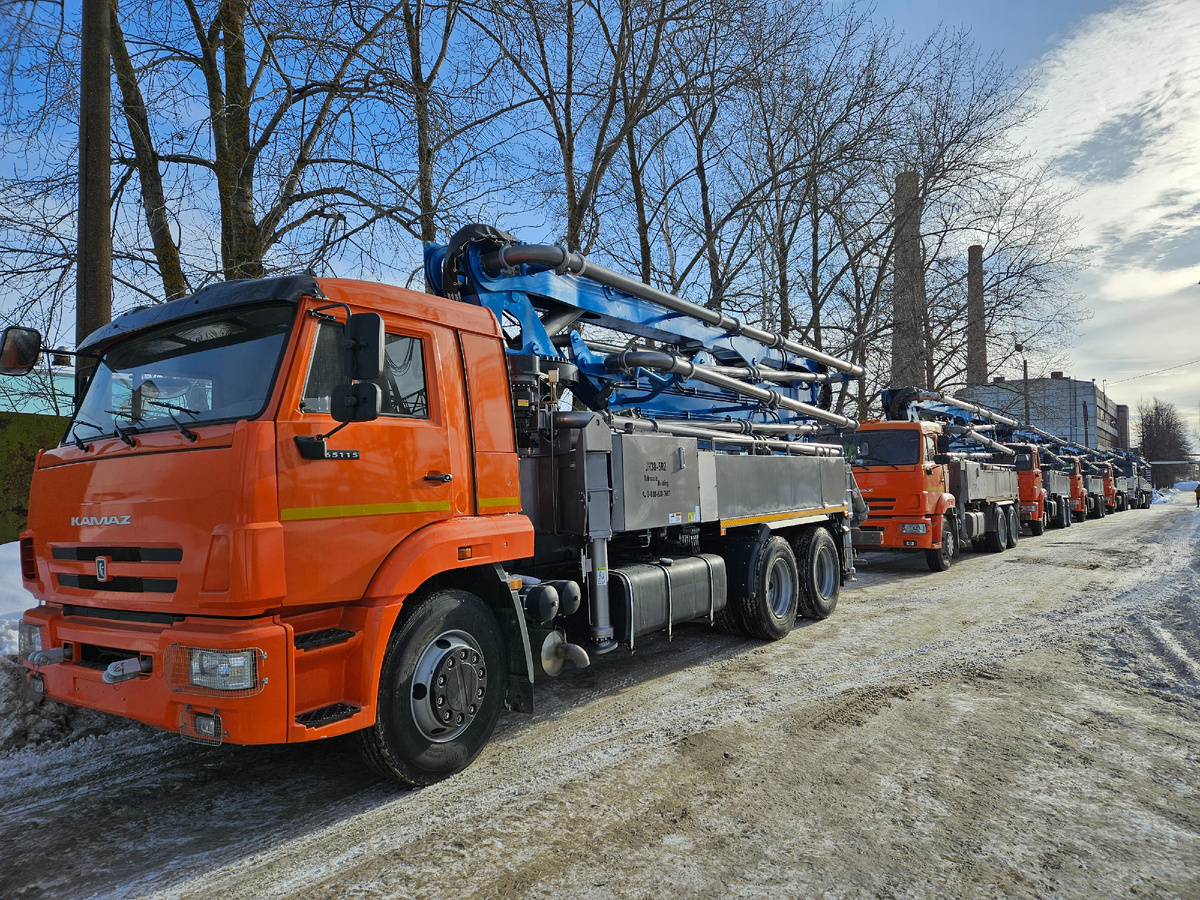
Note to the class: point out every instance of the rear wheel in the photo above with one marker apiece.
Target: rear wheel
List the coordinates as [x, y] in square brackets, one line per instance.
[940, 558]
[820, 572]
[769, 611]
[441, 689]
[995, 540]
[1014, 526]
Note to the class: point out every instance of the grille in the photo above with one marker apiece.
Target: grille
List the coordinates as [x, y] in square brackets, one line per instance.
[121, 584]
[120, 554]
[323, 638]
[335, 712]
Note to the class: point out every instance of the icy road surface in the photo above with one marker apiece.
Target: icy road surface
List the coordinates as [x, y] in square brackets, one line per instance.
[1024, 725]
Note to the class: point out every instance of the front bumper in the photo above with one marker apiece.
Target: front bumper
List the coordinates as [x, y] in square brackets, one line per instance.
[164, 697]
[881, 533]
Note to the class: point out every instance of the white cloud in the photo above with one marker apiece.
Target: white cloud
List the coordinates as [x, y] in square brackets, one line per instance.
[1121, 121]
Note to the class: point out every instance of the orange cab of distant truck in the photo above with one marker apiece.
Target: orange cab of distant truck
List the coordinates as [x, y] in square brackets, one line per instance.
[262, 569]
[1033, 491]
[904, 485]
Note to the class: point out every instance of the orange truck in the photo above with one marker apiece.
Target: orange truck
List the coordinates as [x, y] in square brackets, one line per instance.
[1045, 490]
[295, 508]
[922, 497]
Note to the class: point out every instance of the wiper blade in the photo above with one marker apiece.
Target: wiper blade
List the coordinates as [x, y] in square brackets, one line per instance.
[123, 433]
[171, 409]
[164, 405]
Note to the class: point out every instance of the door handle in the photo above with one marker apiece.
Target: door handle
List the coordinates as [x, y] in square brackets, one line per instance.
[439, 478]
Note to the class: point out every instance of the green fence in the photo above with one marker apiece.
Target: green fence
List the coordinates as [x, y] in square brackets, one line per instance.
[22, 435]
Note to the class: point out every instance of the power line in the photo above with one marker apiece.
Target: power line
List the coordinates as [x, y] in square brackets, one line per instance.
[1159, 372]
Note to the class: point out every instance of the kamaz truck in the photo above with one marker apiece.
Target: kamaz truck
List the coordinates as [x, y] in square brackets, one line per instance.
[921, 493]
[297, 507]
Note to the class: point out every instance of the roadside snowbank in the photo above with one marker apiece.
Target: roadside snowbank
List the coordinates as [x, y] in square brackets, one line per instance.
[28, 720]
[14, 599]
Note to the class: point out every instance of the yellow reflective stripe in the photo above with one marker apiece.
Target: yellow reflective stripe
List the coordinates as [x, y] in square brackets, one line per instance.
[485, 502]
[775, 517]
[362, 509]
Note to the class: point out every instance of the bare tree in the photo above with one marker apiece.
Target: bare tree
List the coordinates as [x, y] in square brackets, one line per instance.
[1163, 436]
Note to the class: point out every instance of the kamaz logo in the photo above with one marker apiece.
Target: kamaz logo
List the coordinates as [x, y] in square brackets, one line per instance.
[101, 520]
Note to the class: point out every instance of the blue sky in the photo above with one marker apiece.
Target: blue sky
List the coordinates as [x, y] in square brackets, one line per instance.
[1119, 83]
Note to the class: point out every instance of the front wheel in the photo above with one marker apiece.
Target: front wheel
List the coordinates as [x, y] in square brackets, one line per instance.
[1037, 527]
[940, 558]
[441, 690]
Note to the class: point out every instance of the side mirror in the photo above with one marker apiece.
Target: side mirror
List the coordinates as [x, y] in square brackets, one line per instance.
[364, 346]
[358, 402]
[19, 350]
[943, 444]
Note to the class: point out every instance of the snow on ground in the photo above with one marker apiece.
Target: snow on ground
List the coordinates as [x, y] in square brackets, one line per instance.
[14, 599]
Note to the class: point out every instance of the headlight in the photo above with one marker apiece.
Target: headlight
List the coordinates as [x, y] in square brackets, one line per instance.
[29, 639]
[914, 528]
[221, 671]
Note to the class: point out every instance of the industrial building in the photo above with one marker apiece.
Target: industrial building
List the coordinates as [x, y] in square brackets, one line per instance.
[1077, 410]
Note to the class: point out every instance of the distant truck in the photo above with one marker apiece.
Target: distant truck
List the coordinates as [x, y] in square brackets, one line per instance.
[1045, 490]
[921, 497]
[1138, 489]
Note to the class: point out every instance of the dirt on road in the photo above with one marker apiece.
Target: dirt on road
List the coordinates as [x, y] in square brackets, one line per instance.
[1024, 725]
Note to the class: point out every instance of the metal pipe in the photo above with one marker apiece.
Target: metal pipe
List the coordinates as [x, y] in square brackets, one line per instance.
[748, 427]
[700, 432]
[965, 405]
[671, 364]
[758, 373]
[566, 261]
[980, 439]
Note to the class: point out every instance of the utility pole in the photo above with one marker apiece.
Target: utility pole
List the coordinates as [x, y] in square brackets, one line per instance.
[93, 278]
[1025, 366]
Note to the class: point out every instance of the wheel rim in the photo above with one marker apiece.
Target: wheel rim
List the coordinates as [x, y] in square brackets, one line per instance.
[825, 572]
[781, 588]
[448, 686]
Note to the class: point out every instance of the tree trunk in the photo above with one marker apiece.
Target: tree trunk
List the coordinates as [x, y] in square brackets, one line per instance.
[154, 201]
[241, 244]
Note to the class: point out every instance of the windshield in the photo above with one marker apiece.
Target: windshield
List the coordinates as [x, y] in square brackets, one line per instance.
[885, 448]
[213, 368]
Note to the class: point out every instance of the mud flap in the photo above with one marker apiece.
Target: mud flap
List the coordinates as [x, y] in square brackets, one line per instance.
[518, 693]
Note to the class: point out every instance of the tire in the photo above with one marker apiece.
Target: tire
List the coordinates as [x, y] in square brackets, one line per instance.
[769, 609]
[1037, 527]
[820, 572]
[1014, 526]
[450, 640]
[996, 540]
[1067, 515]
[940, 558]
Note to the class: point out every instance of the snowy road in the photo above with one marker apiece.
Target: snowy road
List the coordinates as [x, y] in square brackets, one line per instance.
[1023, 724]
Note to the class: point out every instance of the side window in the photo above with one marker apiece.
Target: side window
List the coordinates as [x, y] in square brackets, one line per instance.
[403, 379]
[402, 382]
[930, 447]
[324, 369]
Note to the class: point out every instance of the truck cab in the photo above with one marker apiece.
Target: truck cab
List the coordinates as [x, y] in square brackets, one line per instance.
[206, 527]
[905, 484]
[1034, 505]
